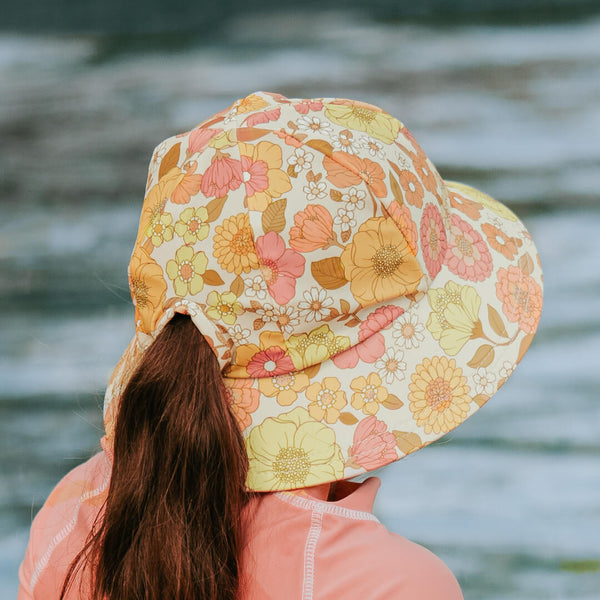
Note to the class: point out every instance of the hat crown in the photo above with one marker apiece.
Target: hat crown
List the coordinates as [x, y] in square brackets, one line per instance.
[271, 190]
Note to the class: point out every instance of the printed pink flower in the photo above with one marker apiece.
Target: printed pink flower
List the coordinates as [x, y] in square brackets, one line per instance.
[280, 266]
[433, 239]
[224, 174]
[305, 105]
[200, 137]
[371, 344]
[521, 298]
[270, 363]
[373, 445]
[243, 400]
[468, 255]
[263, 117]
[313, 229]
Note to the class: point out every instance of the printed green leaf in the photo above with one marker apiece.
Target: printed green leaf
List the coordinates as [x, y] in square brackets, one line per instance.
[212, 278]
[170, 160]
[348, 418]
[214, 208]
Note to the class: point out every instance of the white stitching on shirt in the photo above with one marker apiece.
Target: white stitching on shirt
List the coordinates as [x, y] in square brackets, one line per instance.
[64, 532]
[326, 507]
[308, 584]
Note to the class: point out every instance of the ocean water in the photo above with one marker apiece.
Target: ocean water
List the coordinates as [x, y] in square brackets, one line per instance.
[511, 499]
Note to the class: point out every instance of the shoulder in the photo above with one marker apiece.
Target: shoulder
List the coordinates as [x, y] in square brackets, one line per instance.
[62, 525]
[414, 570]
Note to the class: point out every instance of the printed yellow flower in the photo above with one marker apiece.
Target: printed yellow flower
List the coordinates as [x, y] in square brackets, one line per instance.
[160, 229]
[249, 104]
[379, 264]
[326, 399]
[186, 271]
[262, 174]
[285, 387]
[148, 288]
[368, 393]
[454, 319]
[292, 450]
[223, 306]
[155, 200]
[313, 348]
[192, 225]
[234, 245]
[364, 117]
[439, 395]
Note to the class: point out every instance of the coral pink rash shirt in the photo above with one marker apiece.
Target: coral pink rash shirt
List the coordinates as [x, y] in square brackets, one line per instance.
[301, 547]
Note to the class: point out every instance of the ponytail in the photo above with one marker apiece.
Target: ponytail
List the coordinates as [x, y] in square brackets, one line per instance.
[172, 527]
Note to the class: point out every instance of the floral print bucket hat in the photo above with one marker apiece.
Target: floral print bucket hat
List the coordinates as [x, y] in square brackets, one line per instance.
[359, 305]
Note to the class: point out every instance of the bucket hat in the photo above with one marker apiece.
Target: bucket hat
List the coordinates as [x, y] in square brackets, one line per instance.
[360, 306]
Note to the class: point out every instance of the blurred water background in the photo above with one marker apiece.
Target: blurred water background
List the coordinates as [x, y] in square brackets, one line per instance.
[508, 102]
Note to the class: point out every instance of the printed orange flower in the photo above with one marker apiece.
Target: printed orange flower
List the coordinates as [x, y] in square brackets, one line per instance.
[313, 229]
[284, 387]
[326, 399]
[379, 264]
[364, 117]
[148, 289]
[467, 207]
[402, 217]
[345, 170]
[233, 245]
[368, 393]
[223, 175]
[521, 298]
[500, 241]
[412, 188]
[186, 271]
[188, 185]
[439, 395]
[243, 400]
[425, 171]
[263, 117]
[262, 175]
[373, 445]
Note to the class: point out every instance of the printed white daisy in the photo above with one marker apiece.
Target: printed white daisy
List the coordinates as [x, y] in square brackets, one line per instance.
[239, 334]
[255, 287]
[506, 369]
[375, 147]
[301, 160]
[408, 331]
[484, 382]
[287, 319]
[315, 190]
[315, 306]
[268, 313]
[345, 142]
[390, 366]
[354, 199]
[313, 125]
[345, 218]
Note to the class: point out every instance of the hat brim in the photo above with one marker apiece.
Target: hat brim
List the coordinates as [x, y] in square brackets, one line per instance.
[405, 391]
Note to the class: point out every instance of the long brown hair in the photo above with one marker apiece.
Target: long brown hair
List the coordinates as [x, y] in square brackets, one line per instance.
[172, 525]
